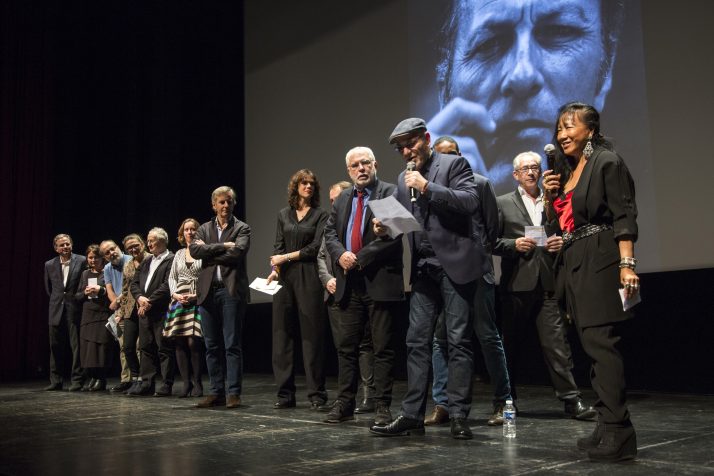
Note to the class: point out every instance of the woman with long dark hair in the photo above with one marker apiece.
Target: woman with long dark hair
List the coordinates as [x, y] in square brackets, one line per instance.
[300, 301]
[592, 194]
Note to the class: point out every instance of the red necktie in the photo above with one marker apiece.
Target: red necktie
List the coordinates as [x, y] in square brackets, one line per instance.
[356, 239]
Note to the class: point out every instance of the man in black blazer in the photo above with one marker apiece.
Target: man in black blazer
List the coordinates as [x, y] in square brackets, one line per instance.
[439, 190]
[527, 284]
[222, 244]
[368, 289]
[62, 275]
[150, 288]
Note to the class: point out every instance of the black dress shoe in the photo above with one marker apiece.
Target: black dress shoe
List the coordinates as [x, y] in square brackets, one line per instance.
[142, 390]
[460, 429]
[618, 443]
[577, 409]
[365, 406]
[165, 390]
[283, 404]
[382, 415]
[53, 387]
[402, 426]
[121, 387]
[340, 411]
[88, 385]
[318, 406]
[99, 385]
[75, 387]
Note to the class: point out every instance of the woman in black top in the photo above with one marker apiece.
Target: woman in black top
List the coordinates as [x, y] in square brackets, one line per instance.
[299, 302]
[93, 335]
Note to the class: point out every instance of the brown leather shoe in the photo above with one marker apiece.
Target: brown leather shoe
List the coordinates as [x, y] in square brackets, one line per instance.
[438, 417]
[233, 401]
[212, 401]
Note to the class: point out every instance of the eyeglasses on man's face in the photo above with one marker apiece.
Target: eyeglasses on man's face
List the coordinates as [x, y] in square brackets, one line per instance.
[409, 144]
[356, 164]
[529, 168]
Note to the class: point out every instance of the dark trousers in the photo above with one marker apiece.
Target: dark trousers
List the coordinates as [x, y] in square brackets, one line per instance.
[222, 321]
[131, 336]
[519, 311]
[433, 292]
[156, 351]
[366, 362]
[607, 373]
[294, 307]
[349, 319]
[64, 348]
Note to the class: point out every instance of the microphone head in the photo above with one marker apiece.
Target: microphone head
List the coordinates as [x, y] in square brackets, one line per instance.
[549, 150]
[411, 165]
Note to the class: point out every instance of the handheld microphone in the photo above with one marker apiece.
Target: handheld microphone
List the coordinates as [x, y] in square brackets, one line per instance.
[411, 166]
[549, 150]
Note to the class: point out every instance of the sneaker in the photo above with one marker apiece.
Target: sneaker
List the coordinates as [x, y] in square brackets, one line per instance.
[341, 411]
[497, 418]
[382, 415]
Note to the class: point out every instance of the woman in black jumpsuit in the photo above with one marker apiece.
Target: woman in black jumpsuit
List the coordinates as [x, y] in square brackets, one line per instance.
[300, 301]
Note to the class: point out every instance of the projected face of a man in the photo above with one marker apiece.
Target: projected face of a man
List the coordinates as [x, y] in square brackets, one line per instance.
[519, 60]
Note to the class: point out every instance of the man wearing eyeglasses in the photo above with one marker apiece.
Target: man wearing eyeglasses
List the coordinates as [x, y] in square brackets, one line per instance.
[369, 287]
[445, 268]
[527, 284]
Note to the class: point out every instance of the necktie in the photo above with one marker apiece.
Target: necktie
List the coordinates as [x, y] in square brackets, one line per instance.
[356, 239]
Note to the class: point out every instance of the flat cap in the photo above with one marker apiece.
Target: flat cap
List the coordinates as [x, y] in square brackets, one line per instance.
[407, 126]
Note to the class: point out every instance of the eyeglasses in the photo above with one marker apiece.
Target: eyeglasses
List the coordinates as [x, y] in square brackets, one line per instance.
[364, 162]
[408, 145]
[530, 168]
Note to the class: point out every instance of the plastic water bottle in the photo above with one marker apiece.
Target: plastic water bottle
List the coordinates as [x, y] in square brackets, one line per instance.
[509, 420]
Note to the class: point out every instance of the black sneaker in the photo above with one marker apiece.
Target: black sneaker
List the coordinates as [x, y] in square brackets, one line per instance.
[382, 414]
[341, 411]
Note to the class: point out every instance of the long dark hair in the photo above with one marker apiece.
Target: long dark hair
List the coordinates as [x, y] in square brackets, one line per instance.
[295, 180]
[589, 116]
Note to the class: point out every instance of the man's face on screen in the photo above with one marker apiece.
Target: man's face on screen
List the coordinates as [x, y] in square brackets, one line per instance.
[521, 60]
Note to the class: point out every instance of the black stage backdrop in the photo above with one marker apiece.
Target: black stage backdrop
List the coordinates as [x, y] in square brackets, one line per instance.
[116, 117]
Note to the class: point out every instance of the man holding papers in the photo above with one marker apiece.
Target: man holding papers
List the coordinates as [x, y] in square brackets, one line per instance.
[527, 283]
[368, 271]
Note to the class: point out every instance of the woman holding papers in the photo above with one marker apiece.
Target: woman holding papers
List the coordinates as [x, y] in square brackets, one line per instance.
[183, 321]
[592, 193]
[93, 335]
[300, 301]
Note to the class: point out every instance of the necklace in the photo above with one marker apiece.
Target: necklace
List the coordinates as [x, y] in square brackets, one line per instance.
[301, 213]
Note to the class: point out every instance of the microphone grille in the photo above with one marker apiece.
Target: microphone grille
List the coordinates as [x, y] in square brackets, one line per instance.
[549, 149]
[411, 165]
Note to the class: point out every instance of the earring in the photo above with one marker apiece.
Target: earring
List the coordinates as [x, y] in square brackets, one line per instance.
[588, 150]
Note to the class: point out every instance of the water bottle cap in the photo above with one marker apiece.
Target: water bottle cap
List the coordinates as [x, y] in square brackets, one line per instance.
[509, 402]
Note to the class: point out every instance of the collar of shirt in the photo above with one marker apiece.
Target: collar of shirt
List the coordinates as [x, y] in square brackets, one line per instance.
[161, 256]
[525, 195]
[367, 191]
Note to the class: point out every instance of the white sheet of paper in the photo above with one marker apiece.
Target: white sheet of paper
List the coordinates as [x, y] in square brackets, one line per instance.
[92, 282]
[537, 233]
[394, 216]
[112, 327]
[629, 303]
[261, 285]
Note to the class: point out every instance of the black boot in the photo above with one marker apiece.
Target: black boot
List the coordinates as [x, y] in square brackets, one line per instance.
[618, 443]
[593, 440]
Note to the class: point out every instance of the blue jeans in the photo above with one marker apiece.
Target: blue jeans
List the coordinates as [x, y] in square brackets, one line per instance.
[222, 321]
[432, 292]
[491, 347]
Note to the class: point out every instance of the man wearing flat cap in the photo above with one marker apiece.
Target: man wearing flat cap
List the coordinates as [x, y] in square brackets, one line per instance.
[439, 190]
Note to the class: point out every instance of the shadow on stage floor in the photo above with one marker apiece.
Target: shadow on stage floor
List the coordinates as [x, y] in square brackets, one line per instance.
[62, 433]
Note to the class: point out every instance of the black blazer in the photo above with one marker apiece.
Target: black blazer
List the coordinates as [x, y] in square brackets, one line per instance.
[521, 272]
[231, 260]
[380, 259]
[158, 289]
[62, 296]
[447, 211]
[605, 194]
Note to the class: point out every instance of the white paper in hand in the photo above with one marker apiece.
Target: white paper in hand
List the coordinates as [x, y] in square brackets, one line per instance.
[394, 216]
[261, 284]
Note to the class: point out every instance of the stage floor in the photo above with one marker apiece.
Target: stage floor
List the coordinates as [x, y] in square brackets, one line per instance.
[62, 433]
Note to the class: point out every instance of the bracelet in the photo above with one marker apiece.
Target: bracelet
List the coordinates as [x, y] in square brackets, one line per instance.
[423, 190]
[628, 262]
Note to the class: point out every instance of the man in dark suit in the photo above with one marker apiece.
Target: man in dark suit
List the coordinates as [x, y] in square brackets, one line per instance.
[368, 289]
[527, 285]
[150, 288]
[62, 275]
[440, 192]
[222, 244]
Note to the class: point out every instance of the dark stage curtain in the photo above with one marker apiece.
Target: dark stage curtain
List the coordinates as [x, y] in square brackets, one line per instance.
[116, 117]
